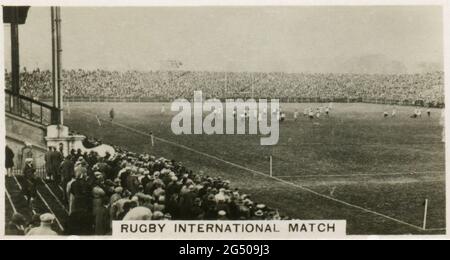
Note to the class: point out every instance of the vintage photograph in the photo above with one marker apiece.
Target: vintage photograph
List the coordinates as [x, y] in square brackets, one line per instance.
[224, 113]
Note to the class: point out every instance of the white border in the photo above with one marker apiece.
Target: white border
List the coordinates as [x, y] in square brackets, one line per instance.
[446, 32]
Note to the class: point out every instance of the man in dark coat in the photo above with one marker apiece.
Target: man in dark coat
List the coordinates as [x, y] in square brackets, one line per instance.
[81, 220]
[9, 161]
[67, 171]
[53, 161]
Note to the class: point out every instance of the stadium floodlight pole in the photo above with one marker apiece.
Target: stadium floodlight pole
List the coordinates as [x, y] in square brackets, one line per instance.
[425, 215]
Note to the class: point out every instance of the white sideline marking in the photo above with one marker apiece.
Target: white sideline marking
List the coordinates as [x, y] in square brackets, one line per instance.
[359, 174]
[10, 201]
[267, 176]
[45, 203]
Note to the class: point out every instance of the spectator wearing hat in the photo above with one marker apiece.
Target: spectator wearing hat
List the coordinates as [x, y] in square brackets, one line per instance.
[16, 227]
[158, 215]
[9, 161]
[45, 229]
[34, 223]
[138, 213]
[259, 215]
[222, 215]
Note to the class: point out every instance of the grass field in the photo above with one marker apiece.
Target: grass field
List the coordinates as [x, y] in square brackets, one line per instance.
[376, 173]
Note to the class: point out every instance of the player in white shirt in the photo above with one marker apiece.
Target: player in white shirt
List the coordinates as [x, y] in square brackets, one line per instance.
[416, 113]
[282, 116]
[394, 112]
[296, 115]
[318, 113]
[163, 109]
[311, 114]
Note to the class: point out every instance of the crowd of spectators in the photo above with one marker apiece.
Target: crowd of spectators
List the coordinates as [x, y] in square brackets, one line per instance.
[167, 85]
[131, 186]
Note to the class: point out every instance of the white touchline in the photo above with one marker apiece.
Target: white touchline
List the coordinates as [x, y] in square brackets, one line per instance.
[267, 176]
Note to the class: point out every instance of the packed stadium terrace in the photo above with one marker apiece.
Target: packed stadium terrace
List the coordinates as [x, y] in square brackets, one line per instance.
[131, 186]
[160, 85]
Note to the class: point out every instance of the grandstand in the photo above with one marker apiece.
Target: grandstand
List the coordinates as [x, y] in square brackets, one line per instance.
[410, 89]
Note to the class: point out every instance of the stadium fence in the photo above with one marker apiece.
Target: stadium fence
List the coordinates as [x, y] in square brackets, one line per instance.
[381, 101]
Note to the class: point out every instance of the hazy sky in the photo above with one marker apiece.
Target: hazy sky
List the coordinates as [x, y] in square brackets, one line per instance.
[294, 39]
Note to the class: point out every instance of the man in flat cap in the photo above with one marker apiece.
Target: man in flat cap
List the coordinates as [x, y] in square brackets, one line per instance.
[45, 229]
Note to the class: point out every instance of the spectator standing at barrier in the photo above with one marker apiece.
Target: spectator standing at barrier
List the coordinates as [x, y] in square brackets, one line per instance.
[9, 161]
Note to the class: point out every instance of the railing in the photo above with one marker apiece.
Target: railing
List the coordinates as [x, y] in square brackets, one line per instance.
[381, 101]
[40, 173]
[30, 109]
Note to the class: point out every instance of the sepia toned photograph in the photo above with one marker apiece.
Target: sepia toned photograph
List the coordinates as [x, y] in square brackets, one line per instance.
[284, 122]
